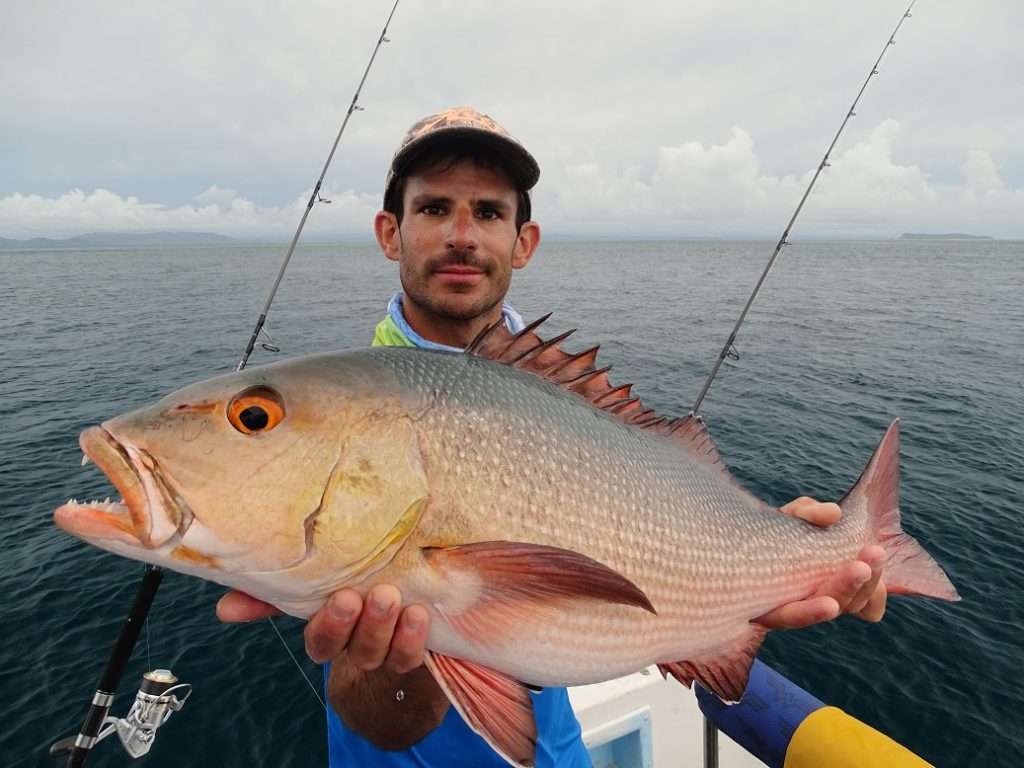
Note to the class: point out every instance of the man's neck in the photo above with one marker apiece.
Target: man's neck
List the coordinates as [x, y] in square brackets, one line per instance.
[446, 330]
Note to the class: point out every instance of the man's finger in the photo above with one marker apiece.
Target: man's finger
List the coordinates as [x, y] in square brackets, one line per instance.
[801, 614]
[237, 606]
[820, 513]
[875, 608]
[330, 628]
[371, 639]
[845, 583]
[874, 556]
[408, 644]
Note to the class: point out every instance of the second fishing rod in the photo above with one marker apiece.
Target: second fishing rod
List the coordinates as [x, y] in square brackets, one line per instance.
[79, 747]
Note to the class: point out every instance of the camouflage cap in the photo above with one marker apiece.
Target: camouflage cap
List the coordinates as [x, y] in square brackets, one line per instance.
[469, 123]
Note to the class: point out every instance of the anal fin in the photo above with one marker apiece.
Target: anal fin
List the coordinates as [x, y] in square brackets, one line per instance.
[723, 672]
[494, 705]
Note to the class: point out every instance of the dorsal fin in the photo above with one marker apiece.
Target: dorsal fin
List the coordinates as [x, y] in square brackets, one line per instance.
[579, 373]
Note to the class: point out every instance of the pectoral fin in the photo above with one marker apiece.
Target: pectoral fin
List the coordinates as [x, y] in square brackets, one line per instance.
[494, 705]
[492, 587]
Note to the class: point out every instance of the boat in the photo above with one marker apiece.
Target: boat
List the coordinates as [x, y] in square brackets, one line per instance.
[645, 721]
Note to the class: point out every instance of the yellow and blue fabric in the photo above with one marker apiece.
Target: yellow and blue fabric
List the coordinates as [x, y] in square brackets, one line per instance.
[786, 727]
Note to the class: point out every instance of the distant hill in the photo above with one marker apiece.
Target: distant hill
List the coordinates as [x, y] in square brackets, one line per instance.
[117, 240]
[949, 236]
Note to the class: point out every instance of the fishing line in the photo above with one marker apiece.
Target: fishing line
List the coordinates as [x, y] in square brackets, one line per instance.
[729, 348]
[128, 637]
[296, 661]
[80, 747]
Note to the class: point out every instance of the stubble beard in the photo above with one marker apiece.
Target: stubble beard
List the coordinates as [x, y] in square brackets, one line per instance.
[451, 305]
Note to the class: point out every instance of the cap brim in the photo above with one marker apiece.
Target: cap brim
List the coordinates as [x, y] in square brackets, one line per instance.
[520, 164]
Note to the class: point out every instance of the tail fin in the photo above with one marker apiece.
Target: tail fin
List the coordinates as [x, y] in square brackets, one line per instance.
[908, 568]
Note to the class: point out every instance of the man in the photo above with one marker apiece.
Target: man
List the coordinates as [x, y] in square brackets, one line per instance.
[457, 221]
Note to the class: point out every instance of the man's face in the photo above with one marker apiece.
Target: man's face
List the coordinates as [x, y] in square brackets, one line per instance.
[457, 244]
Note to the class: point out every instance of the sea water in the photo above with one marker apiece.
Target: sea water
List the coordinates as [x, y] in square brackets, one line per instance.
[845, 337]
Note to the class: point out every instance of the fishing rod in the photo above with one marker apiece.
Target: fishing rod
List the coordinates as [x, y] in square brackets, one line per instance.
[315, 196]
[710, 742]
[155, 700]
[729, 349]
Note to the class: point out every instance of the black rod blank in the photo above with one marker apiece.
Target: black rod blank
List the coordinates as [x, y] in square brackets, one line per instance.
[119, 656]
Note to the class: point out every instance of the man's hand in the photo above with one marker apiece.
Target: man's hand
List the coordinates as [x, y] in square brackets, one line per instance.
[377, 649]
[376, 632]
[856, 588]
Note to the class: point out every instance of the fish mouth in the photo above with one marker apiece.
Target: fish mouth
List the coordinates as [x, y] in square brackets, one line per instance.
[150, 512]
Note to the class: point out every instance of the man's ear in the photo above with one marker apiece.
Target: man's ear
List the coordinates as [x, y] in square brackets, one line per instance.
[526, 243]
[389, 238]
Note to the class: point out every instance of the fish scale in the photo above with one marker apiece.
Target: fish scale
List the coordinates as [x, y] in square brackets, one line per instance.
[555, 538]
[706, 553]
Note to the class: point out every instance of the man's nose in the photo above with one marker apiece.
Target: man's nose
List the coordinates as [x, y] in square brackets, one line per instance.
[462, 230]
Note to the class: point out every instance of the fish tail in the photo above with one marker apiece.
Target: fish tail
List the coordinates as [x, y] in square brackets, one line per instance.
[908, 569]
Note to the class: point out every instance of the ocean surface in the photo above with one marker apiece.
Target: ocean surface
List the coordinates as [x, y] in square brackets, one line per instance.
[845, 336]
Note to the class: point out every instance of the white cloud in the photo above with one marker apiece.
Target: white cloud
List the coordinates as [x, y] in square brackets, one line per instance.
[980, 173]
[216, 196]
[691, 189]
[217, 210]
[719, 189]
[630, 108]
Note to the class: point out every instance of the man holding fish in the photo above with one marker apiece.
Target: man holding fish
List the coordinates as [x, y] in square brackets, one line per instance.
[457, 221]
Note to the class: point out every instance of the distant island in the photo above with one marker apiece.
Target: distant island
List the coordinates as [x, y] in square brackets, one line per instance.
[948, 236]
[117, 240]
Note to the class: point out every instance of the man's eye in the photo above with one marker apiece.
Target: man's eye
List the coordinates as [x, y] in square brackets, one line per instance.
[488, 213]
[432, 210]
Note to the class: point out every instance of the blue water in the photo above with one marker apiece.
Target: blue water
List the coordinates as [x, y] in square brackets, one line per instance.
[845, 336]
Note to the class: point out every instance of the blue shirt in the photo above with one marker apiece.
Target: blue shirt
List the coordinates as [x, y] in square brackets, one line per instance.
[453, 744]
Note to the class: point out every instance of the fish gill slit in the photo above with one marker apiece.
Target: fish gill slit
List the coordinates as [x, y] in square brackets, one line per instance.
[310, 522]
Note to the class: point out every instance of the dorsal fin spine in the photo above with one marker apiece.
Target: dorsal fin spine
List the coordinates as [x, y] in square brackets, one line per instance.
[557, 367]
[624, 390]
[644, 414]
[524, 334]
[579, 374]
[586, 376]
[542, 347]
[681, 420]
[476, 344]
[647, 422]
[623, 404]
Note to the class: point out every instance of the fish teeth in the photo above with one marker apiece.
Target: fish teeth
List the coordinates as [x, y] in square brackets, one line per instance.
[86, 460]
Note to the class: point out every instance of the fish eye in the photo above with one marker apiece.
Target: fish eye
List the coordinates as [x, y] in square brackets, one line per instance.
[257, 409]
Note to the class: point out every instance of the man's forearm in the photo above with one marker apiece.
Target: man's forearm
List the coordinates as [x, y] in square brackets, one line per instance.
[370, 704]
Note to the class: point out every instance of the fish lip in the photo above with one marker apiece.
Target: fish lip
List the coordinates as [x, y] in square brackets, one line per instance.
[157, 512]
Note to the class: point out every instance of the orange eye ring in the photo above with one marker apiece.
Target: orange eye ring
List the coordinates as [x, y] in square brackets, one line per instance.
[256, 410]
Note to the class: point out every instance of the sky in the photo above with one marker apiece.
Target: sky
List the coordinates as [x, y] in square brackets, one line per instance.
[649, 118]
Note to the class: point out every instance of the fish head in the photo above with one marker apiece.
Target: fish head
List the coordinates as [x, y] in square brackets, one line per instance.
[298, 475]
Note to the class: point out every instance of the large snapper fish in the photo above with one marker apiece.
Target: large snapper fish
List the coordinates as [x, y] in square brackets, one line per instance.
[557, 532]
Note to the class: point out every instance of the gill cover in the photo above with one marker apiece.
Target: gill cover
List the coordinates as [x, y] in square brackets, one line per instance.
[308, 468]
[373, 500]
